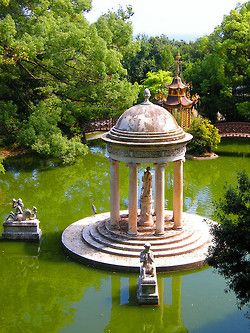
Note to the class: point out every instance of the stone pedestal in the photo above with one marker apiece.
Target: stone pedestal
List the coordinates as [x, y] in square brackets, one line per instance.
[147, 291]
[22, 230]
[146, 218]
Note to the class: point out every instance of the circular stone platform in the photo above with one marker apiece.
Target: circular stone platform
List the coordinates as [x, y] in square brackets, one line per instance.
[92, 241]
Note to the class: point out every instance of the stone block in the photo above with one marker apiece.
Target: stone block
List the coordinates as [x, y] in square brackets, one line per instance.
[147, 292]
[22, 230]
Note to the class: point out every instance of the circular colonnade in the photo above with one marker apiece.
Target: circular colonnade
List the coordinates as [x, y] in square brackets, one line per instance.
[145, 133]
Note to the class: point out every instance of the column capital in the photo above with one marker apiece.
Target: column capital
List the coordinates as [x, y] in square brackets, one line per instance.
[131, 164]
[161, 165]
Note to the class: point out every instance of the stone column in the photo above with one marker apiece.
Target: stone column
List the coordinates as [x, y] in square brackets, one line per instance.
[178, 194]
[133, 199]
[114, 193]
[159, 197]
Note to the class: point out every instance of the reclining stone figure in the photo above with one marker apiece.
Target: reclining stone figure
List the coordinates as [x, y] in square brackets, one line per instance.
[21, 214]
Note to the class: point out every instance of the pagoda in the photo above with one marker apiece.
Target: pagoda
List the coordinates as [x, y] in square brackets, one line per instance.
[177, 103]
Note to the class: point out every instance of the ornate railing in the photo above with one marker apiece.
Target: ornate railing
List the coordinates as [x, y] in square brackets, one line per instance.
[99, 125]
[234, 129]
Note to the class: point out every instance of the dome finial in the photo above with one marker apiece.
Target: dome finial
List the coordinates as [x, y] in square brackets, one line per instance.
[146, 95]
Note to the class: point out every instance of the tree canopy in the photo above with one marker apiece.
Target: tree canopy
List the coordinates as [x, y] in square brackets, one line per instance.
[57, 72]
[219, 65]
[157, 83]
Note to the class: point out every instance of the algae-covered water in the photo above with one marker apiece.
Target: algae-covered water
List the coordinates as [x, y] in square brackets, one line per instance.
[41, 290]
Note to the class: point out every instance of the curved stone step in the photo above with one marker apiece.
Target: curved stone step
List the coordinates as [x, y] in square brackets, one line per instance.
[146, 237]
[190, 239]
[176, 236]
[135, 252]
[82, 247]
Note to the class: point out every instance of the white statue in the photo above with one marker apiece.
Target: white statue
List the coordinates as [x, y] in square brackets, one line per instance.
[146, 199]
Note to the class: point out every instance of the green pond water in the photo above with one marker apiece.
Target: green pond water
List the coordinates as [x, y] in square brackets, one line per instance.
[42, 290]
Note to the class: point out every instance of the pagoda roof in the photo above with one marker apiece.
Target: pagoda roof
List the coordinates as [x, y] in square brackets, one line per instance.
[175, 101]
[177, 83]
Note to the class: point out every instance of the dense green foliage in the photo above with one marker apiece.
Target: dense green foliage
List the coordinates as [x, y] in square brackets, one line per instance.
[205, 137]
[230, 253]
[154, 54]
[219, 66]
[244, 110]
[57, 72]
[157, 82]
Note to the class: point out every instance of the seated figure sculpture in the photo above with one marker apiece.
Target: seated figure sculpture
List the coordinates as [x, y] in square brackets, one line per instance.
[147, 290]
[147, 260]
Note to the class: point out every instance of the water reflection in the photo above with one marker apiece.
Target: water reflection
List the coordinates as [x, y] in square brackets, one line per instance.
[166, 317]
[41, 290]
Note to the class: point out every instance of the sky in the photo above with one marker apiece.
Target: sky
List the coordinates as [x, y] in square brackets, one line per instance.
[182, 19]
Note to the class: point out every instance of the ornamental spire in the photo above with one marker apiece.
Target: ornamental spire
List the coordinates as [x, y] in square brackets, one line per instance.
[177, 64]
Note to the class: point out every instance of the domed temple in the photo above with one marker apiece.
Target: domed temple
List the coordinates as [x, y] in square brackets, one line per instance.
[145, 134]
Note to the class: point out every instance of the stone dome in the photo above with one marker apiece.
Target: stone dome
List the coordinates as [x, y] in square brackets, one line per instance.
[146, 129]
[146, 117]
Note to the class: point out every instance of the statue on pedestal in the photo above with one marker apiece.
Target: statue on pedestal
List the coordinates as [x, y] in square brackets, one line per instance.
[147, 290]
[21, 223]
[146, 199]
[21, 214]
[147, 260]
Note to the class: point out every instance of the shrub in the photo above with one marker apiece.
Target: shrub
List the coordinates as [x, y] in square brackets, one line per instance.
[205, 137]
[60, 147]
[42, 134]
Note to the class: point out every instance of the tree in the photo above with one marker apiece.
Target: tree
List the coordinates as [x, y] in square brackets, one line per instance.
[154, 54]
[56, 74]
[230, 253]
[116, 29]
[205, 137]
[157, 82]
[220, 65]
[244, 110]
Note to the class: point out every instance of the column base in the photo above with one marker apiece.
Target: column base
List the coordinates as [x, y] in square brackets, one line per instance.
[159, 233]
[114, 226]
[148, 223]
[177, 228]
[132, 233]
